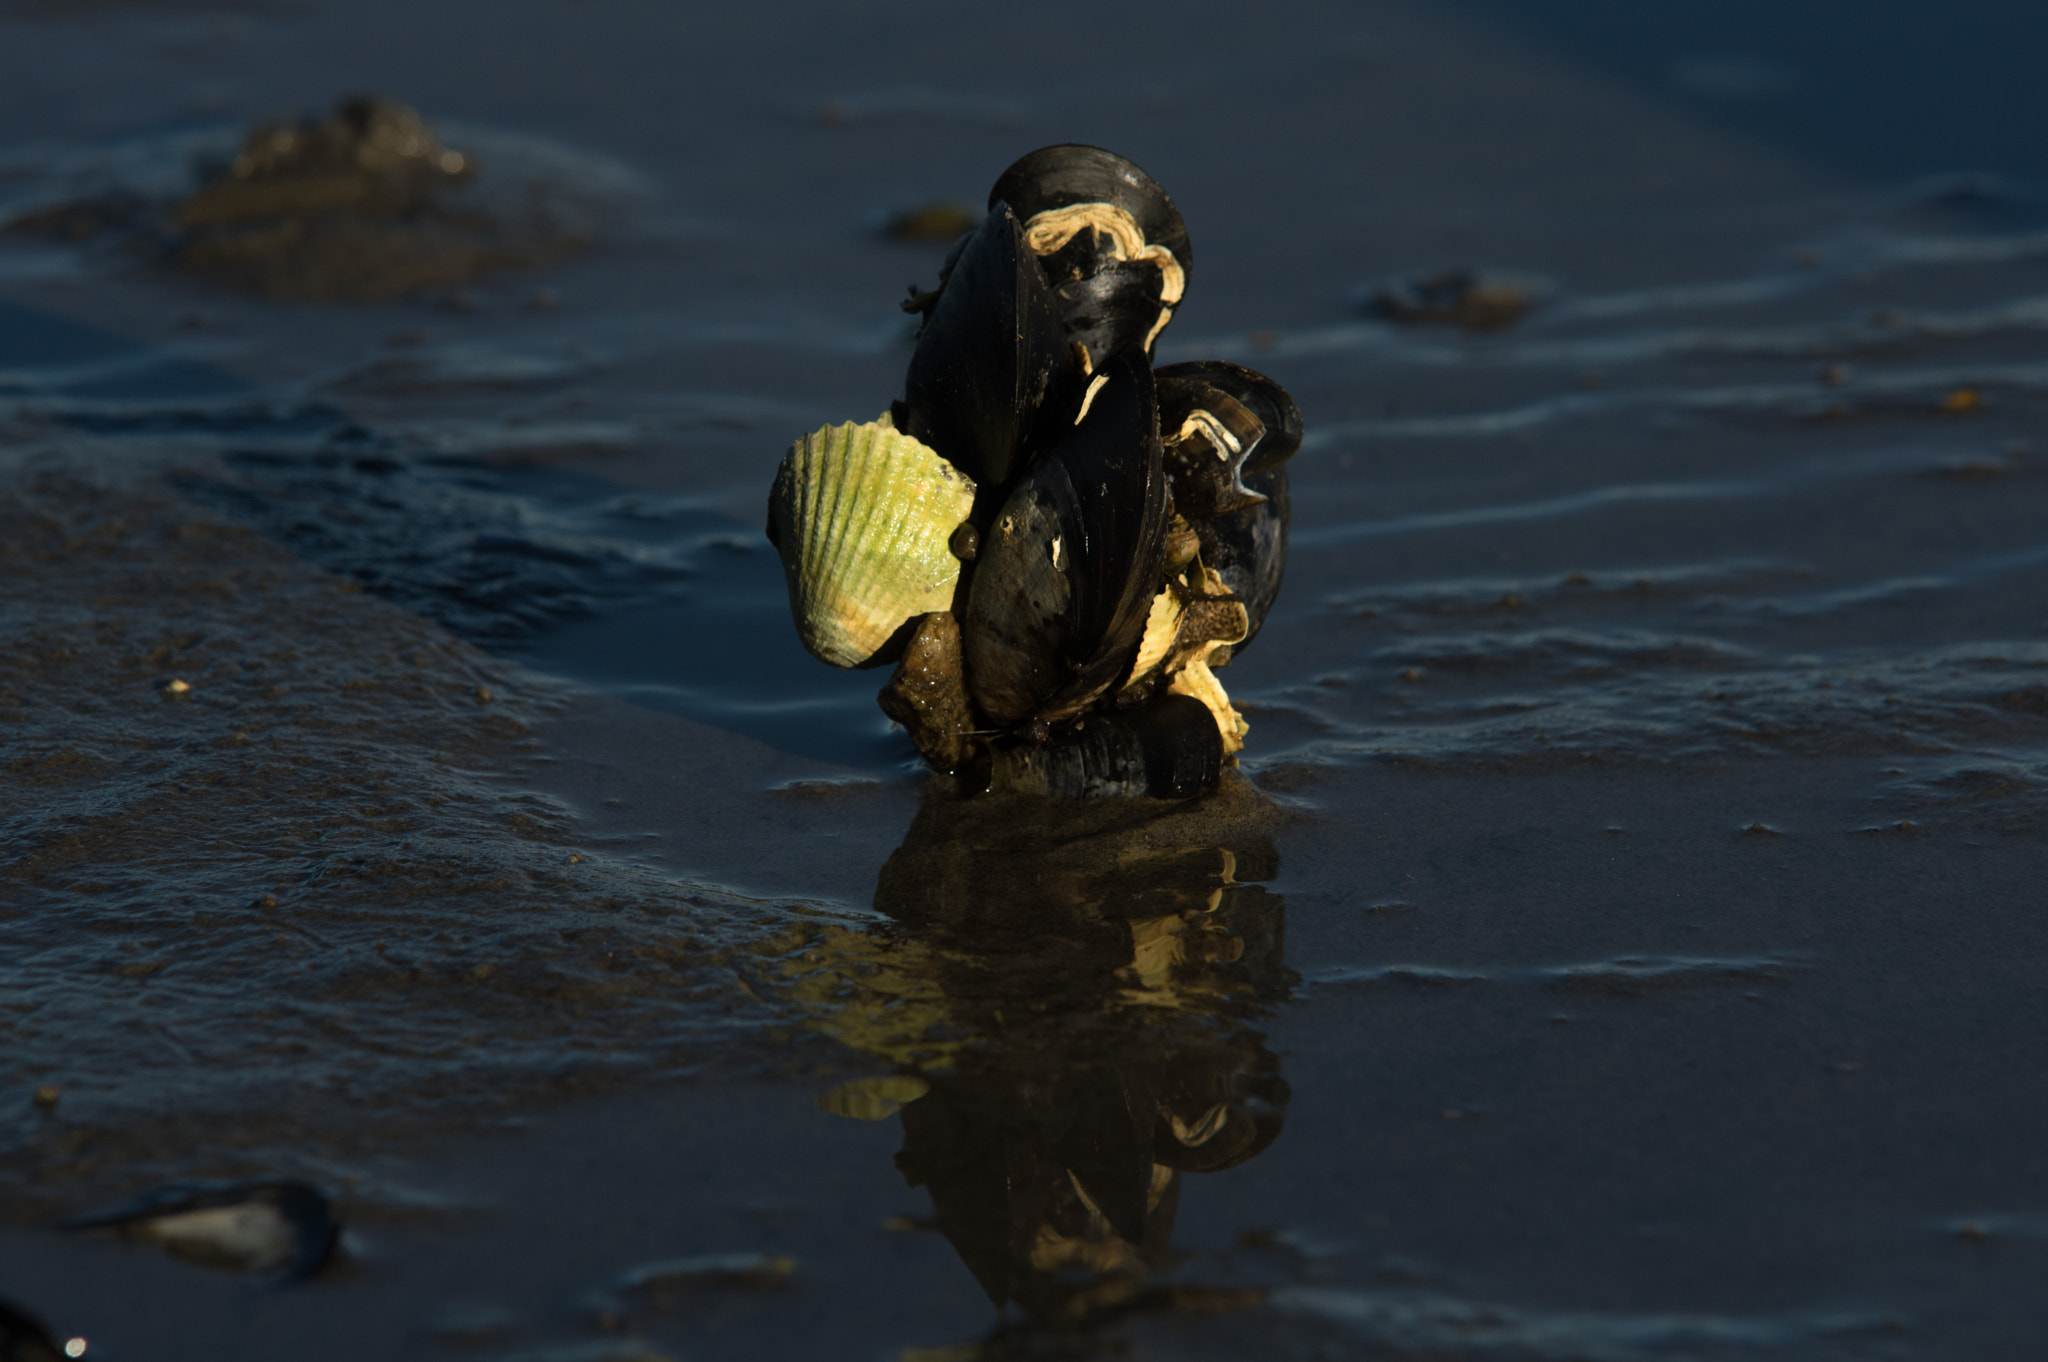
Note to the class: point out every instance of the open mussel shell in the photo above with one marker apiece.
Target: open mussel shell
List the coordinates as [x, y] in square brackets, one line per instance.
[1248, 548]
[1206, 435]
[283, 1229]
[1112, 242]
[1250, 389]
[1168, 748]
[1067, 571]
[863, 517]
[1236, 497]
[993, 365]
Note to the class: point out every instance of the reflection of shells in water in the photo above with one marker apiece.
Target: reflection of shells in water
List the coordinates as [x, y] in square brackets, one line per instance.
[874, 1099]
[863, 516]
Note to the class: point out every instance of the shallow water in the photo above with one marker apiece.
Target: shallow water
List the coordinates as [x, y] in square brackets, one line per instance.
[1622, 942]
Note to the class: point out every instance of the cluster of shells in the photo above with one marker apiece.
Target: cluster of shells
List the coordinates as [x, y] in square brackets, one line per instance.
[1057, 543]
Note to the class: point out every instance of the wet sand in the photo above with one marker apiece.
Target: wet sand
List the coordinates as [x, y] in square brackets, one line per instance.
[1621, 944]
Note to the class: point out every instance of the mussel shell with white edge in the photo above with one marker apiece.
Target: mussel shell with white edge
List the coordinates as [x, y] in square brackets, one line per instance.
[1238, 504]
[1207, 435]
[1113, 244]
[1248, 548]
[1067, 572]
[285, 1228]
[1258, 394]
[993, 370]
[863, 516]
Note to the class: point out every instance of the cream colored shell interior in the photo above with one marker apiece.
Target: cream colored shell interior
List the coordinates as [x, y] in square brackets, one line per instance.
[1055, 227]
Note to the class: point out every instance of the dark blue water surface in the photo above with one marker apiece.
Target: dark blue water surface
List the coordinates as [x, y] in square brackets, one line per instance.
[1889, 91]
[1621, 940]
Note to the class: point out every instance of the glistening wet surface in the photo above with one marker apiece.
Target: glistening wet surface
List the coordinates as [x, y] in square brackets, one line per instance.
[1621, 940]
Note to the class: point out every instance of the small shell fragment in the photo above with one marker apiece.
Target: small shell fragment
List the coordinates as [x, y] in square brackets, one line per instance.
[863, 516]
[1162, 627]
[1191, 630]
[1197, 681]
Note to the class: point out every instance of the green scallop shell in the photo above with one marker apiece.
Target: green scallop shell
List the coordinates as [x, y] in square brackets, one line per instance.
[862, 515]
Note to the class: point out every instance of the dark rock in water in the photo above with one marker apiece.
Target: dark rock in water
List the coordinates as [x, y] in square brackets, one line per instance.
[354, 205]
[744, 1271]
[367, 202]
[24, 1339]
[940, 220]
[284, 1229]
[664, 1285]
[2031, 700]
[1473, 299]
[371, 154]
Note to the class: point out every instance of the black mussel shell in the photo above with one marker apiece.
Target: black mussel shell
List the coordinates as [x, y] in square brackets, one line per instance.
[1168, 748]
[992, 364]
[1073, 172]
[1206, 436]
[24, 1339]
[1238, 503]
[1066, 573]
[1109, 301]
[1107, 306]
[284, 1229]
[1248, 548]
[1259, 395]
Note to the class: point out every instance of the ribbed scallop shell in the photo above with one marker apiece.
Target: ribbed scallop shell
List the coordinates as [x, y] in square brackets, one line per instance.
[862, 515]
